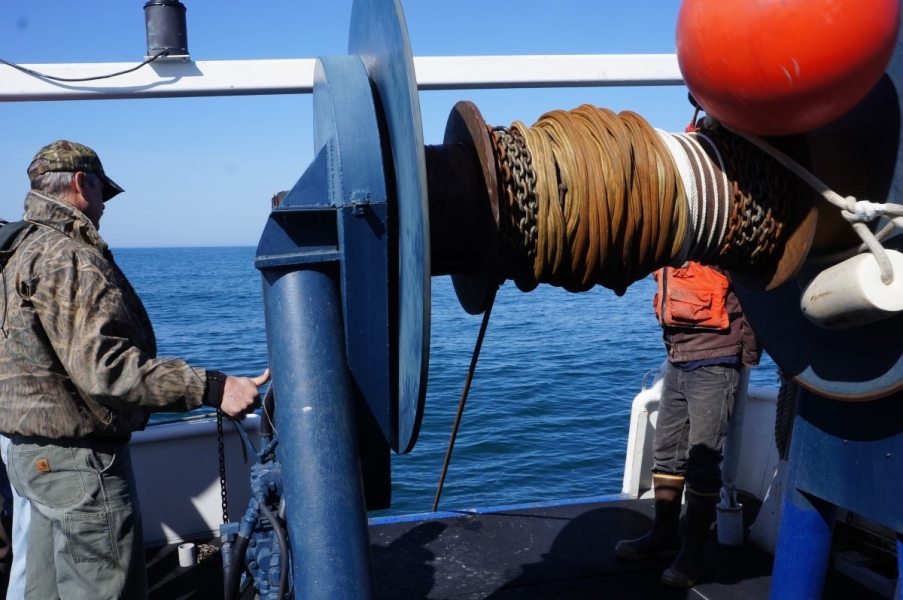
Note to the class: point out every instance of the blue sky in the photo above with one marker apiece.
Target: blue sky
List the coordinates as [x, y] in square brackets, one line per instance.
[201, 171]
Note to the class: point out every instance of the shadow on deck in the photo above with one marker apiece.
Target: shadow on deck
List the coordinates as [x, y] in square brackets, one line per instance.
[561, 552]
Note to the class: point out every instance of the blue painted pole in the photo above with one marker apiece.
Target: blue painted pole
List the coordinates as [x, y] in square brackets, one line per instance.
[803, 547]
[898, 593]
[325, 508]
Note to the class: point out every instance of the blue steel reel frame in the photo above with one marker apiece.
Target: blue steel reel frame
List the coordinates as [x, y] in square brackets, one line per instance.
[379, 36]
[324, 262]
[843, 454]
[337, 212]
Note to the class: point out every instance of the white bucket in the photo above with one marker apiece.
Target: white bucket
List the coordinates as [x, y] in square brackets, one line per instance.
[730, 524]
[188, 555]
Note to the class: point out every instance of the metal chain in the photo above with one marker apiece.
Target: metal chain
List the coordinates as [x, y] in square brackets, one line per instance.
[519, 205]
[222, 465]
[508, 243]
[525, 195]
[760, 200]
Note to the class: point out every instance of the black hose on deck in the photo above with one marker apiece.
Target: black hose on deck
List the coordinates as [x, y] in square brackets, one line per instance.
[283, 545]
[232, 575]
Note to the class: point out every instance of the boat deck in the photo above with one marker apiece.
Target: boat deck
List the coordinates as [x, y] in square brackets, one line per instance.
[559, 552]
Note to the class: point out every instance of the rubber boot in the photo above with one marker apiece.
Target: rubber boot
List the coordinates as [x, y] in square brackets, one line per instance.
[664, 538]
[690, 563]
[4, 578]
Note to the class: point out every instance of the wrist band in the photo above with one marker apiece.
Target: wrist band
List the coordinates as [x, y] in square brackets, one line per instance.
[216, 384]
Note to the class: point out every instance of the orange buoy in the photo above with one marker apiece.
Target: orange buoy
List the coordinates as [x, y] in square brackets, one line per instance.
[779, 67]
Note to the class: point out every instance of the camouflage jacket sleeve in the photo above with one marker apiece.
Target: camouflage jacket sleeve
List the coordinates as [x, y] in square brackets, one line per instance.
[102, 337]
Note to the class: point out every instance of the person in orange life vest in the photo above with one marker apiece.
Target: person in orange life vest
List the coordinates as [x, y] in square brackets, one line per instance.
[709, 341]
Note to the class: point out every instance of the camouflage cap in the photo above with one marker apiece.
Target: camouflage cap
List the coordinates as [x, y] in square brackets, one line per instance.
[63, 155]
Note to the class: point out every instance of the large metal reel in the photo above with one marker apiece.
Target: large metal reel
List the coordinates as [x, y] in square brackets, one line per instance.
[858, 364]
[379, 36]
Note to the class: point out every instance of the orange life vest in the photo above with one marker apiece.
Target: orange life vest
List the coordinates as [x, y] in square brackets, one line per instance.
[691, 297]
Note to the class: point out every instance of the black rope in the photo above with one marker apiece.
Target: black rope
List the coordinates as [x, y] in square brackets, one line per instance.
[282, 540]
[785, 415]
[77, 79]
[470, 372]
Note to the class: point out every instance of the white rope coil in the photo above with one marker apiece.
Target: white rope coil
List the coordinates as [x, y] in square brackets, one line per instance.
[708, 192]
[724, 193]
[693, 153]
[688, 179]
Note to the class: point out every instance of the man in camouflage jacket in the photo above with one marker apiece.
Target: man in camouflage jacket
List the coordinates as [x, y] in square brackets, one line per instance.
[79, 374]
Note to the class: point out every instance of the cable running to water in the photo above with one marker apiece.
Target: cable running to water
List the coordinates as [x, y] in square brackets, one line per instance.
[473, 367]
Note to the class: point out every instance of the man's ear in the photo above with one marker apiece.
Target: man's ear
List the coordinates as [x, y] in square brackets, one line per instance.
[80, 183]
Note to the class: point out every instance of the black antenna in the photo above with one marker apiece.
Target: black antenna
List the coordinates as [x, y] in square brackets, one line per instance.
[167, 31]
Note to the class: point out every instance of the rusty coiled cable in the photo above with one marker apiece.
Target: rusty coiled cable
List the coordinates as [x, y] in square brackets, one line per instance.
[590, 197]
[609, 204]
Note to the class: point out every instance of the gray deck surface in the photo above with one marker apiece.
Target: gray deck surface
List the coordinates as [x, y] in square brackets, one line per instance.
[554, 553]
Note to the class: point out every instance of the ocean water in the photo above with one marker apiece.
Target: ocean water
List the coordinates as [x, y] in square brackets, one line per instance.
[548, 411]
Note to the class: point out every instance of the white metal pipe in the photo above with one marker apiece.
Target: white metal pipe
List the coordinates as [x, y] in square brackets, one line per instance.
[537, 71]
[175, 79]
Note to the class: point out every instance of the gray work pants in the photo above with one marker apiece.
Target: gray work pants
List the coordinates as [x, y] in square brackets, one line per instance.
[85, 519]
[21, 520]
[691, 426]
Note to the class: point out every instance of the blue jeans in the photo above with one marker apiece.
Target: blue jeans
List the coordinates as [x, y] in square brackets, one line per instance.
[692, 423]
[85, 536]
[21, 517]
